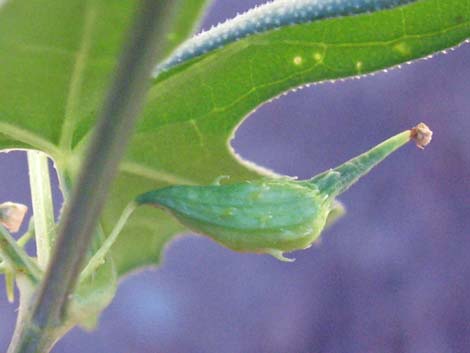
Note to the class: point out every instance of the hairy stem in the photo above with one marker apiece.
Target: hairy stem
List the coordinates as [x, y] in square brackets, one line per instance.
[116, 121]
[267, 17]
[43, 210]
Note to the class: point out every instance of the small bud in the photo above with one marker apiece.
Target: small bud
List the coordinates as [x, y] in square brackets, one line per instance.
[12, 215]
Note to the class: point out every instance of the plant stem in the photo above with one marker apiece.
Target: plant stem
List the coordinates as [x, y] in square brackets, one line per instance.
[26, 237]
[10, 285]
[99, 257]
[117, 118]
[43, 209]
[16, 258]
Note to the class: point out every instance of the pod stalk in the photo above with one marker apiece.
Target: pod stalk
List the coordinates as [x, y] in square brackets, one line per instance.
[100, 256]
[338, 180]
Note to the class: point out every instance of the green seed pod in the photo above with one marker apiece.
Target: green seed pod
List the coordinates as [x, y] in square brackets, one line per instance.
[272, 216]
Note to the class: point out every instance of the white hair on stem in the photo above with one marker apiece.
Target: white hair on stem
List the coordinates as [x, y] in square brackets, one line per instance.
[272, 15]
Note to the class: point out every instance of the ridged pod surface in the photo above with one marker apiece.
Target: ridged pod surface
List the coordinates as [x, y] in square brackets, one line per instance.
[278, 214]
[267, 17]
[272, 216]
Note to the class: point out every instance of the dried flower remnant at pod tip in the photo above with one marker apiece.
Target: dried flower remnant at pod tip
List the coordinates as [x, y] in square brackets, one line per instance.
[422, 135]
[12, 215]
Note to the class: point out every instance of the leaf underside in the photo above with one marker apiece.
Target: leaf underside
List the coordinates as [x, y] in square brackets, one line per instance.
[56, 60]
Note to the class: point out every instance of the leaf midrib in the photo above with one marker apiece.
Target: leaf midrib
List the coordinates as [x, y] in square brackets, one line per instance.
[29, 138]
[36, 141]
[76, 80]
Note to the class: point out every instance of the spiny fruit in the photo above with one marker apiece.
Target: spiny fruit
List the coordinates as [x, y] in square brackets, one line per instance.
[273, 215]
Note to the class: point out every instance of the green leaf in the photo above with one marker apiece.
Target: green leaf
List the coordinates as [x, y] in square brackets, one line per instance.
[56, 59]
[57, 56]
[194, 109]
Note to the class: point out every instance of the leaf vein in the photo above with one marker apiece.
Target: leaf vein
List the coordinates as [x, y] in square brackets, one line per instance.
[76, 80]
[28, 138]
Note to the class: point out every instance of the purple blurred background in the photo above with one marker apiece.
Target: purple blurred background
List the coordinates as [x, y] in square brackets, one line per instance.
[391, 276]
